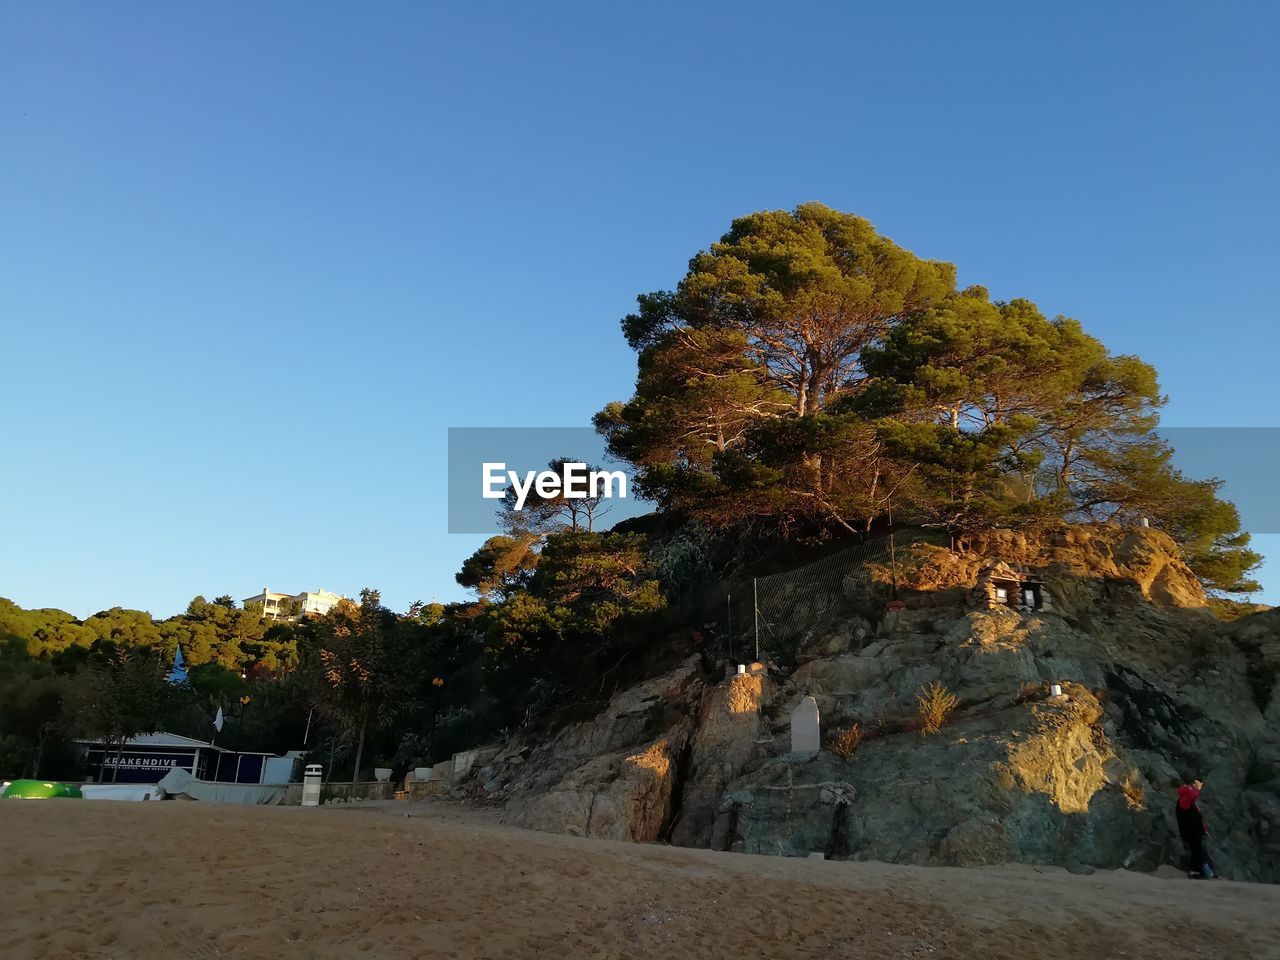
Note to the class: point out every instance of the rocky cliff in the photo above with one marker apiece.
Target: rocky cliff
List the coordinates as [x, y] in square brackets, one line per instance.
[1154, 691]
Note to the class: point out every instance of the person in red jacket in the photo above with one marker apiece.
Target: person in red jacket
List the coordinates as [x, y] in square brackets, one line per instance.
[1193, 829]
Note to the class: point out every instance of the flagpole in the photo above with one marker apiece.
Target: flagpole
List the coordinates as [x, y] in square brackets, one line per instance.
[217, 729]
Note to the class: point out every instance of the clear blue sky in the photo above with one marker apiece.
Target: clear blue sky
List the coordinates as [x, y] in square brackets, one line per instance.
[255, 259]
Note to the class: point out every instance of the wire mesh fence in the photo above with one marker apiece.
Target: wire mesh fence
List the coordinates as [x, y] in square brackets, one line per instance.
[787, 609]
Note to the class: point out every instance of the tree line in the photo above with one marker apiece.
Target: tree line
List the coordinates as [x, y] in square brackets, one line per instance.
[347, 685]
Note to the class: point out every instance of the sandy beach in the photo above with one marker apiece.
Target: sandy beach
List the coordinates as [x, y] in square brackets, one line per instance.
[189, 880]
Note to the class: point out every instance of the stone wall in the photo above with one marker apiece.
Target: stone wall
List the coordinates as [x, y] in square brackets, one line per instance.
[364, 790]
[993, 577]
[420, 790]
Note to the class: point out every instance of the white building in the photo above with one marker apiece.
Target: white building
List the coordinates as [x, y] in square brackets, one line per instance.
[290, 606]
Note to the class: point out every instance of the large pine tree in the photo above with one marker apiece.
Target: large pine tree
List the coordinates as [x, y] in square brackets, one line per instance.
[808, 373]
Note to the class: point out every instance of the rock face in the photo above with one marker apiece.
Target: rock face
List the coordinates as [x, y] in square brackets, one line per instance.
[728, 737]
[1155, 692]
[1033, 782]
[1084, 567]
[619, 796]
[794, 805]
[612, 777]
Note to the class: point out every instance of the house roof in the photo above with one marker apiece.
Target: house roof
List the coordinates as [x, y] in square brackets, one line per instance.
[162, 739]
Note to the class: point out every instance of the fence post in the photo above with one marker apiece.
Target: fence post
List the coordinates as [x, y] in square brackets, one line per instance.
[893, 565]
[728, 613]
[755, 604]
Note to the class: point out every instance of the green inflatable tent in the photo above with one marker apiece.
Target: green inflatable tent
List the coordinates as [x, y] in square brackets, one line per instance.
[39, 790]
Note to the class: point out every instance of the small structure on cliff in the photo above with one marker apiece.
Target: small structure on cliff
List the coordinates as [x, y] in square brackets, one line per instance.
[1003, 585]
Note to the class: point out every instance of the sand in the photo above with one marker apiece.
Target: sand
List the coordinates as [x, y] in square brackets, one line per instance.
[194, 881]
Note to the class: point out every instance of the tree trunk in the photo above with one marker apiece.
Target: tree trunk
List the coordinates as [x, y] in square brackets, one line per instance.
[364, 723]
[815, 387]
[115, 771]
[1064, 471]
[39, 754]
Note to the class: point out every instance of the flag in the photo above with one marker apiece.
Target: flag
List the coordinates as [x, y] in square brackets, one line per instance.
[178, 674]
[217, 721]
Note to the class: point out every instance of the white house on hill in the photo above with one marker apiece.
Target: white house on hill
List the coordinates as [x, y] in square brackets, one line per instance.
[290, 606]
